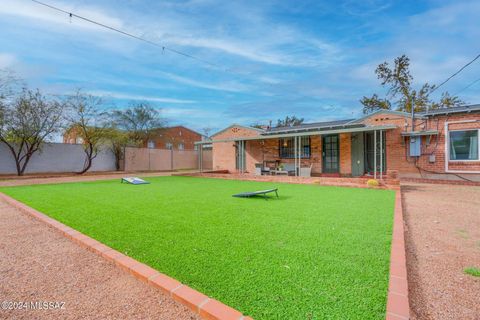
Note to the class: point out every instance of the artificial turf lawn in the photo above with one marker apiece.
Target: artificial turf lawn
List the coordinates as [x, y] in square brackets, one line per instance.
[314, 253]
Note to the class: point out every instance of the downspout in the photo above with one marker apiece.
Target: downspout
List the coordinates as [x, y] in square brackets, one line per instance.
[447, 146]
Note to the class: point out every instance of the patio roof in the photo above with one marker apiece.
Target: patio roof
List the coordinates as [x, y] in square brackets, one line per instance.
[302, 134]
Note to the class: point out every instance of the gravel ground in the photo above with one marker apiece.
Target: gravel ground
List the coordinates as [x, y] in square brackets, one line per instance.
[28, 180]
[39, 264]
[443, 238]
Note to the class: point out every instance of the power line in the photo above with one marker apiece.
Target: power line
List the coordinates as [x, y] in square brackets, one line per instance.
[453, 75]
[467, 86]
[164, 48]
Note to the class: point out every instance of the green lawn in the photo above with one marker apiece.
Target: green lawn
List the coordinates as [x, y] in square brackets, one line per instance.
[315, 253]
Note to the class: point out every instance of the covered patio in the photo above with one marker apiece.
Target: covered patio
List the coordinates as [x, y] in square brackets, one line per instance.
[338, 150]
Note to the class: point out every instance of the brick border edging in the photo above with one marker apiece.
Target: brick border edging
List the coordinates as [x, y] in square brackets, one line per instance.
[398, 307]
[202, 305]
[441, 181]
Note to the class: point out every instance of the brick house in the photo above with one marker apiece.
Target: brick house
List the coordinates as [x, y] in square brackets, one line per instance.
[177, 138]
[441, 144]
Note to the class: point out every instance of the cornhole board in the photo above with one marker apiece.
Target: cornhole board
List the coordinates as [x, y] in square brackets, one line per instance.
[262, 193]
[134, 180]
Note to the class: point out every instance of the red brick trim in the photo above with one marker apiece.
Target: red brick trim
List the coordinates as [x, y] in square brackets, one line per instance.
[199, 303]
[397, 301]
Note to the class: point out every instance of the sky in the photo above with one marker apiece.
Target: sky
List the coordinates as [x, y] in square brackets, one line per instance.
[256, 61]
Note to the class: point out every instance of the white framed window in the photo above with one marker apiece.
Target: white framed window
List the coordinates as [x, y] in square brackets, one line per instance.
[181, 146]
[151, 144]
[169, 145]
[463, 145]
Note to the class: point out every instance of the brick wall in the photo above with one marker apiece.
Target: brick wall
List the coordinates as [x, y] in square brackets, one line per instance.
[345, 154]
[224, 152]
[397, 150]
[176, 136]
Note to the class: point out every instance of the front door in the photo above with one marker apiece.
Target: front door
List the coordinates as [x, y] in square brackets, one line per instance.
[330, 154]
[358, 158]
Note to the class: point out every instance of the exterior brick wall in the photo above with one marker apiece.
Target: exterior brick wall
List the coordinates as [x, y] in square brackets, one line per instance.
[224, 152]
[397, 149]
[176, 136]
[345, 154]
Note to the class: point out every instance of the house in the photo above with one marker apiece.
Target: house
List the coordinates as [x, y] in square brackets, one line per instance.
[177, 138]
[441, 143]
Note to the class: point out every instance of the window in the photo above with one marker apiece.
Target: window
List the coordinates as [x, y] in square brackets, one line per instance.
[151, 144]
[195, 147]
[181, 146]
[287, 148]
[169, 145]
[463, 145]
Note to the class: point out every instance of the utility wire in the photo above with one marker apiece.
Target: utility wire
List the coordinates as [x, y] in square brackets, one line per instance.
[466, 87]
[453, 75]
[164, 48]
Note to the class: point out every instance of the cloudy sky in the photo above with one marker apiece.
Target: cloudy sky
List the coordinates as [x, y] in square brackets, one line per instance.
[266, 59]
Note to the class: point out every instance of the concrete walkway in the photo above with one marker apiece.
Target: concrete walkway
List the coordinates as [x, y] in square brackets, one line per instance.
[37, 264]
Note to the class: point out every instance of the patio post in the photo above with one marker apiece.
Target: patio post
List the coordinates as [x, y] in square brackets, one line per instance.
[200, 153]
[295, 151]
[375, 154]
[381, 155]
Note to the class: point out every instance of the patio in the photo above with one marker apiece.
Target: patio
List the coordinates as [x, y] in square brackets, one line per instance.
[349, 150]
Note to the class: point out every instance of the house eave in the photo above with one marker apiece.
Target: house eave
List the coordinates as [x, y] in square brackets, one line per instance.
[303, 134]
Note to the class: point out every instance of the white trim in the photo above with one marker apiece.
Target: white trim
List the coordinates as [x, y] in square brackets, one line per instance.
[447, 147]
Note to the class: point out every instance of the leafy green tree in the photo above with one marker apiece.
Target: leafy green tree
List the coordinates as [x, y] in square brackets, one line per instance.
[26, 122]
[289, 121]
[400, 94]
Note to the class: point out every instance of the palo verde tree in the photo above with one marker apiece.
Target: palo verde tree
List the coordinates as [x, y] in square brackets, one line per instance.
[132, 127]
[400, 95]
[86, 119]
[26, 122]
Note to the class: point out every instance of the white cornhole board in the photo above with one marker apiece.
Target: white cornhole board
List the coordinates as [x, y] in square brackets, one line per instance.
[134, 180]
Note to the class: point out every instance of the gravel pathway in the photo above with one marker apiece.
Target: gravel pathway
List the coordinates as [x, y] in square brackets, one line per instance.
[39, 264]
[443, 238]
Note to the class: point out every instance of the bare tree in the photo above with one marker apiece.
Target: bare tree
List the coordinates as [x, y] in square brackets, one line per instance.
[87, 120]
[132, 127]
[206, 131]
[139, 120]
[26, 122]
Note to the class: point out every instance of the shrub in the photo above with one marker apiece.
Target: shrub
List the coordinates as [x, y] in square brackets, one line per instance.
[372, 183]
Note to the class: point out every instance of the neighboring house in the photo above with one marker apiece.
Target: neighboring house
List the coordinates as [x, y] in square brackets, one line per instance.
[177, 138]
[439, 144]
[71, 136]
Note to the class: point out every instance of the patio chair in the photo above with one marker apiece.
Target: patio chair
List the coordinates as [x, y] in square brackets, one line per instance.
[290, 168]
